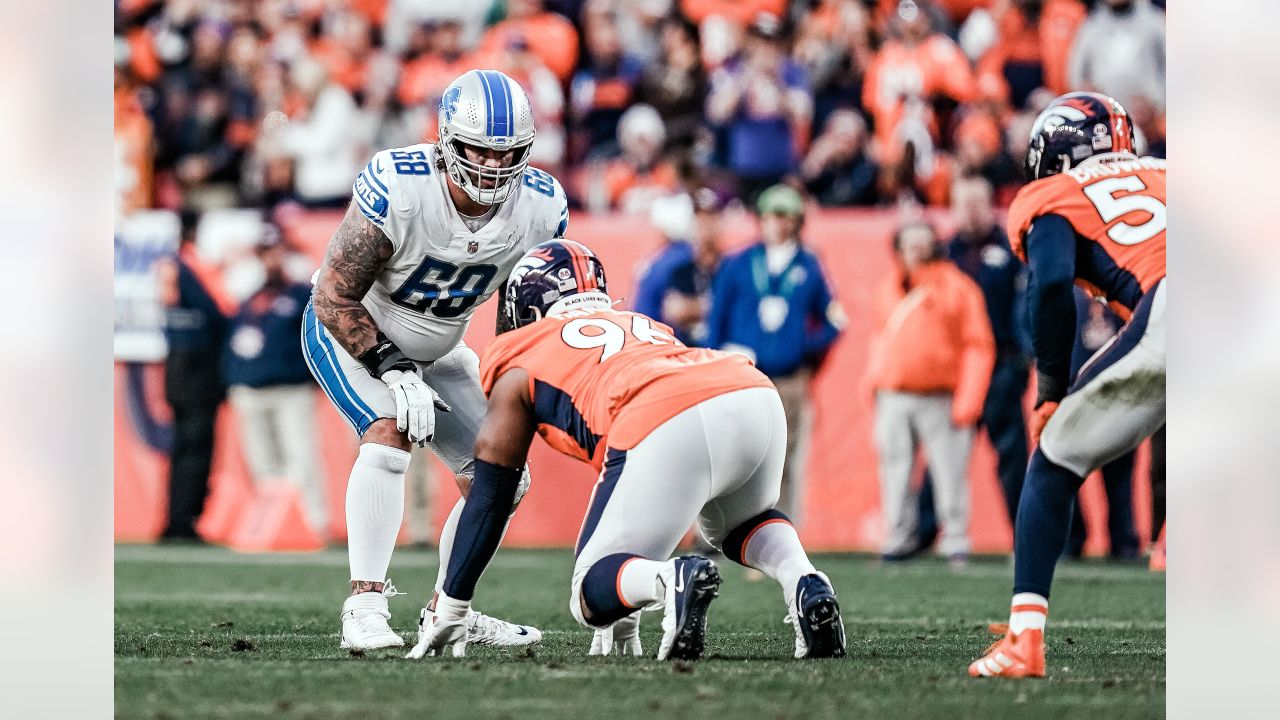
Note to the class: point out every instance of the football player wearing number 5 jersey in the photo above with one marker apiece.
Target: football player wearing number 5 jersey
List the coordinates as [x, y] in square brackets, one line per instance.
[431, 233]
[679, 435]
[1094, 213]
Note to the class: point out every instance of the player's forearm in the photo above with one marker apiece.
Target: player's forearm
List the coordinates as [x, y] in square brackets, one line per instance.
[1053, 309]
[1051, 302]
[480, 526]
[348, 321]
[356, 254]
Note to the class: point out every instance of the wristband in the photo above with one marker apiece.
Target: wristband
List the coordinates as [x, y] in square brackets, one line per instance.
[384, 357]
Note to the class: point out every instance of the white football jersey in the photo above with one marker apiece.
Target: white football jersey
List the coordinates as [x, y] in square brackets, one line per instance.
[440, 270]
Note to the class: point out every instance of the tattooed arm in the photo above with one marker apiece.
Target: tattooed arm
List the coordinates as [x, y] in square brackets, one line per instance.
[356, 254]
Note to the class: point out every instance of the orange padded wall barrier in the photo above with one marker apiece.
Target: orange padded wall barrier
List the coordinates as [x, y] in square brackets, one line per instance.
[843, 496]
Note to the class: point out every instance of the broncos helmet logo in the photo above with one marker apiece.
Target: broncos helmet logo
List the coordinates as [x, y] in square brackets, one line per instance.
[1073, 128]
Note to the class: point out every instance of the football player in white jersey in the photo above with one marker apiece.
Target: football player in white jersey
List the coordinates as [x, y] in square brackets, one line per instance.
[432, 231]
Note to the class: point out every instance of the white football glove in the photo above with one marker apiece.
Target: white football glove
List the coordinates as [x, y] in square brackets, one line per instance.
[416, 405]
[622, 637]
[442, 628]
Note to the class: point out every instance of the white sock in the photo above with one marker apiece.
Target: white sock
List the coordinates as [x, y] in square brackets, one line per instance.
[1029, 611]
[375, 509]
[638, 582]
[775, 550]
[446, 542]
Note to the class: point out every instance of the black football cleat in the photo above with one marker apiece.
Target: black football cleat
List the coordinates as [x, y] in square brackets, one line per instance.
[692, 582]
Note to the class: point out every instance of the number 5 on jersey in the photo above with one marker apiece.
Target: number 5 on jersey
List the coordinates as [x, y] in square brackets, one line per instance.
[611, 336]
[1103, 196]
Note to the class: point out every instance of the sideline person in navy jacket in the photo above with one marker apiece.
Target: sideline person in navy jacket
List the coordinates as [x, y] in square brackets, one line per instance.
[771, 302]
[270, 386]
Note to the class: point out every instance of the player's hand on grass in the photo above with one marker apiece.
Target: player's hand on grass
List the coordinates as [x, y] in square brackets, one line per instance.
[622, 637]
[446, 628]
[416, 405]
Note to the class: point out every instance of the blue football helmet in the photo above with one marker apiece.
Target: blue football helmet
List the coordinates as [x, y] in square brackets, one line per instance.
[551, 277]
[1074, 128]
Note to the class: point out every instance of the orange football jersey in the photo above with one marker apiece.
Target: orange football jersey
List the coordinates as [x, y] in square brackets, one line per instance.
[609, 377]
[1118, 212]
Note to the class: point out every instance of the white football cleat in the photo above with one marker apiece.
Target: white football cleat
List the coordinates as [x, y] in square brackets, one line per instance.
[486, 630]
[364, 621]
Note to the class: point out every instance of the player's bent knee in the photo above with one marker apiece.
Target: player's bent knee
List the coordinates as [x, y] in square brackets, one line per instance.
[595, 600]
[385, 457]
[735, 543]
[383, 432]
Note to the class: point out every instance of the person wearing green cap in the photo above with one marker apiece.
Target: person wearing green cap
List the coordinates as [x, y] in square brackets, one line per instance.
[772, 303]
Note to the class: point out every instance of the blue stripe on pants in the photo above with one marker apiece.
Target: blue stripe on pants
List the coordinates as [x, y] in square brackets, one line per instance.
[319, 354]
[614, 461]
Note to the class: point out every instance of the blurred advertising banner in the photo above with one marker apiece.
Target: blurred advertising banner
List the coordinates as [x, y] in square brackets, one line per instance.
[141, 240]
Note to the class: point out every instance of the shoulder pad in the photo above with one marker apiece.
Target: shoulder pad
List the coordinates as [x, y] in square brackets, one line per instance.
[545, 188]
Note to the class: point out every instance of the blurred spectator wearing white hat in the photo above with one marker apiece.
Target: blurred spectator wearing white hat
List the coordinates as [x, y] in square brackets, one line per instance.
[270, 386]
[633, 181]
[673, 218]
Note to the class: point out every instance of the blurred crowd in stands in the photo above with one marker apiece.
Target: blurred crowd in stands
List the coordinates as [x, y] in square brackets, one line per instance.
[223, 103]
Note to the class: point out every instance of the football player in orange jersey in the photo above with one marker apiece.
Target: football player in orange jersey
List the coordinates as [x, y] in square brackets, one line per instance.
[679, 435]
[1094, 213]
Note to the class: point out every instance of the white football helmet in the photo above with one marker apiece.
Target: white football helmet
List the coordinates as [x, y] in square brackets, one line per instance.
[487, 109]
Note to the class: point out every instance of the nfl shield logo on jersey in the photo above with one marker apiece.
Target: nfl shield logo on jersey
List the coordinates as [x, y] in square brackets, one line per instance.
[473, 247]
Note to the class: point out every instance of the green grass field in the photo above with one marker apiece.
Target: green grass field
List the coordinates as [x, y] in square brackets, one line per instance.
[205, 632]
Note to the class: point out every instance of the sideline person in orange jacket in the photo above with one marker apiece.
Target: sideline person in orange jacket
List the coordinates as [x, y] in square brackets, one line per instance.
[931, 360]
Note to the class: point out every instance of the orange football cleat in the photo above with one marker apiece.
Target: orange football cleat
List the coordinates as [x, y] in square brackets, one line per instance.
[1013, 656]
[1158, 559]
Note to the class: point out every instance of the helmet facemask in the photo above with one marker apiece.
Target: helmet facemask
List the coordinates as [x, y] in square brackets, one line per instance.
[483, 184]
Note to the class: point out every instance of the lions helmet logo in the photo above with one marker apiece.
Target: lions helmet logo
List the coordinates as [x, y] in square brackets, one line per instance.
[449, 102]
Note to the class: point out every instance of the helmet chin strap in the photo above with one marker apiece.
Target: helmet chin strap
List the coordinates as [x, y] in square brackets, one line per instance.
[593, 300]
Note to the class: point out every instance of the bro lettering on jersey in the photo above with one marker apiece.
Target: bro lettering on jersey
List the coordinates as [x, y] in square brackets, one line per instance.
[440, 270]
[609, 377]
[1118, 212]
